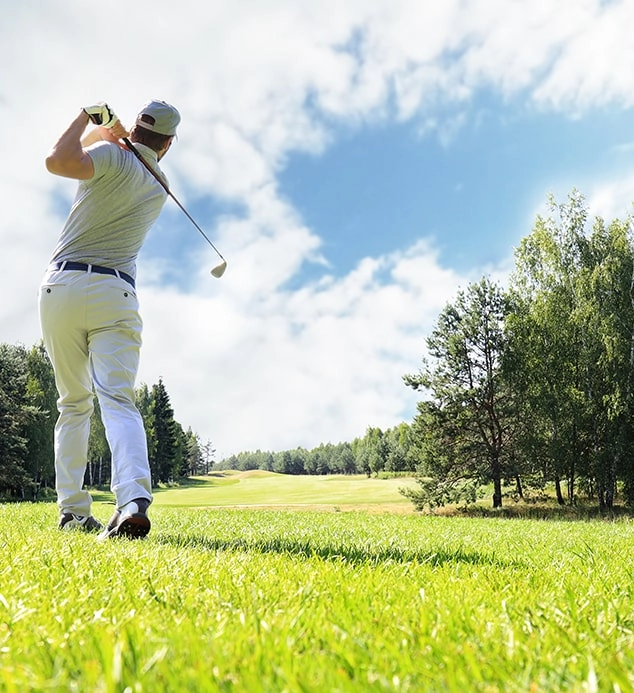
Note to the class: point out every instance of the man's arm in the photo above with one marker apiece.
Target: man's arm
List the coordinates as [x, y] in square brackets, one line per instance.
[68, 157]
[112, 134]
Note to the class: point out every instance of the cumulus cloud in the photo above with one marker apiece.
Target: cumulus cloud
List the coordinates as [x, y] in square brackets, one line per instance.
[299, 367]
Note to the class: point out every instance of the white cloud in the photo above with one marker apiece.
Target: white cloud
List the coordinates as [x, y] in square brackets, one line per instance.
[296, 368]
[593, 67]
[248, 361]
[612, 199]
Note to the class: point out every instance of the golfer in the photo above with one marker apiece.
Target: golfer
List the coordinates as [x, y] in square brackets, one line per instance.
[89, 311]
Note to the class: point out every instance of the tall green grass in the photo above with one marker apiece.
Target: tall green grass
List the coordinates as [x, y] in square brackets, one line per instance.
[261, 600]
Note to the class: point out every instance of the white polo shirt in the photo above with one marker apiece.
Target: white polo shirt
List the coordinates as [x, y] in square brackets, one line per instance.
[113, 211]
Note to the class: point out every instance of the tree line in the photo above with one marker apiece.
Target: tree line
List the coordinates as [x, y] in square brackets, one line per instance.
[533, 384]
[391, 451]
[28, 412]
[523, 386]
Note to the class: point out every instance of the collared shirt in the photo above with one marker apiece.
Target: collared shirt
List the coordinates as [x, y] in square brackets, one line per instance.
[114, 210]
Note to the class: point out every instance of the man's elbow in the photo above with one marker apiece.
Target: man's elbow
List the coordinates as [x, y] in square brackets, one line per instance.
[53, 164]
[80, 169]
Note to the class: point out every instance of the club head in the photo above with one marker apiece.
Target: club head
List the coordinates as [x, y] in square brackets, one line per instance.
[219, 270]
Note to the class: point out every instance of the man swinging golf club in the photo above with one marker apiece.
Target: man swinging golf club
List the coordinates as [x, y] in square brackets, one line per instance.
[89, 310]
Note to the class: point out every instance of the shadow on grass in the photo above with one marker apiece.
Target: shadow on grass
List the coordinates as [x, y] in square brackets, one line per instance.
[572, 513]
[104, 495]
[353, 555]
[214, 483]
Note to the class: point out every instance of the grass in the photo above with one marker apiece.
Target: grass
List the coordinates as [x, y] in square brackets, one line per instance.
[267, 489]
[253, 599]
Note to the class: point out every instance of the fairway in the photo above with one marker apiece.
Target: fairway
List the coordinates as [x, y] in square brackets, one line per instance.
[266, 489]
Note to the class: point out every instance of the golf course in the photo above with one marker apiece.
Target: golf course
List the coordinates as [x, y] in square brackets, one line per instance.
[266, 489]
[255, 581]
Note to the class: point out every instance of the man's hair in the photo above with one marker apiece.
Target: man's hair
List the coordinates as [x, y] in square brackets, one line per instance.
[150, 139]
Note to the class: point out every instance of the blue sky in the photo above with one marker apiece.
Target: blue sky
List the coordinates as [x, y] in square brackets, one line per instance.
[356, 161]
[474, 194]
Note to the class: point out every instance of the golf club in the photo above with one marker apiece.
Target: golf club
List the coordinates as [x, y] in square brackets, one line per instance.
[216, 271]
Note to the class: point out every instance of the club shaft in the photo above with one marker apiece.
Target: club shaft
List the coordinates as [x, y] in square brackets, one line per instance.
[171, 194]
[189, 216]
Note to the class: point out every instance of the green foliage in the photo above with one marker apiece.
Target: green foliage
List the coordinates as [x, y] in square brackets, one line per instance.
[41, 393]
[535, 384]
[571, 335]
[99, 458]
[392, 450]
[28, 413]
[436, 493]
[192, 461]
[163, 436]
[16, 417]
[468, 421]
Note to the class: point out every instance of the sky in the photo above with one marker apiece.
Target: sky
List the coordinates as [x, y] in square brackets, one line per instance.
[357, 162]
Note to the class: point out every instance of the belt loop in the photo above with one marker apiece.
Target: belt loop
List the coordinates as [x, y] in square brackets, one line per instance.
[89, 269]
[117, 273]
[62, 265]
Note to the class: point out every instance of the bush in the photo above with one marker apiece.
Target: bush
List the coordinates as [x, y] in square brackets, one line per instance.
[435, 493]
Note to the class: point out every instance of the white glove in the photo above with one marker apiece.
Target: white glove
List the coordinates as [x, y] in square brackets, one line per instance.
[101, 114]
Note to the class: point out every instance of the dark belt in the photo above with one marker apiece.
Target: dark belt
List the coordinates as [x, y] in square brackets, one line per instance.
[98, 269]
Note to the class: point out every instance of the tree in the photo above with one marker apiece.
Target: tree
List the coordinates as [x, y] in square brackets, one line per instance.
[571, 346]
[179, 466]
[343, 461]
[549, 341]
[143, 402]
[606, 291]
[193, 462]
[41, 394]
[399, 457]
[16, 414]
[99, 457]
[163, 436]
[208, 451]
[470, 404]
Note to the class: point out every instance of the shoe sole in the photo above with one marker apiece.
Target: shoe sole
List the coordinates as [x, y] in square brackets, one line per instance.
[133, 527]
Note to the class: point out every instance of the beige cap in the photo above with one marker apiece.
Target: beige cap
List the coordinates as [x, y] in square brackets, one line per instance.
[159, 117]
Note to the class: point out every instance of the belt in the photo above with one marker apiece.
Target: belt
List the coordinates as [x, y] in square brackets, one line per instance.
[98, 269]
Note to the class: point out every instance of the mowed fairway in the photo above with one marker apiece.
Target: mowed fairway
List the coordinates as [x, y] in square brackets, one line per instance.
[305, 599]
[267, 489]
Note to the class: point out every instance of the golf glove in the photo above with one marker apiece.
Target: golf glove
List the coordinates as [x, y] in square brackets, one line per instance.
[101, 114]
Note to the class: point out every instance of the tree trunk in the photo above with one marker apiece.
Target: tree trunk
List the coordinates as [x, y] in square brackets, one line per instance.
[611, 483]
[571, 487]
[560, 495]
[518, 486]
[497, 483]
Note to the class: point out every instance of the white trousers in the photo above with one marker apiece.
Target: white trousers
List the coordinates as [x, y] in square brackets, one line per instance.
[92, 332]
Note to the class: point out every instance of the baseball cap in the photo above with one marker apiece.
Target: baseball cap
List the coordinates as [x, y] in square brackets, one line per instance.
[159, 117]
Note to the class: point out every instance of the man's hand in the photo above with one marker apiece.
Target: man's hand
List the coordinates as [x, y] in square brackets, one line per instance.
[114, 133]
[101, 114]
[117, 131]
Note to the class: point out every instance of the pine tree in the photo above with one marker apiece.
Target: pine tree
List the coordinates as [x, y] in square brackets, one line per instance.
[163, 435]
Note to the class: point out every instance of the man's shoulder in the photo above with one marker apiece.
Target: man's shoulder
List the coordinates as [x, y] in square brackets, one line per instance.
[105, 155]
[103, 148]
